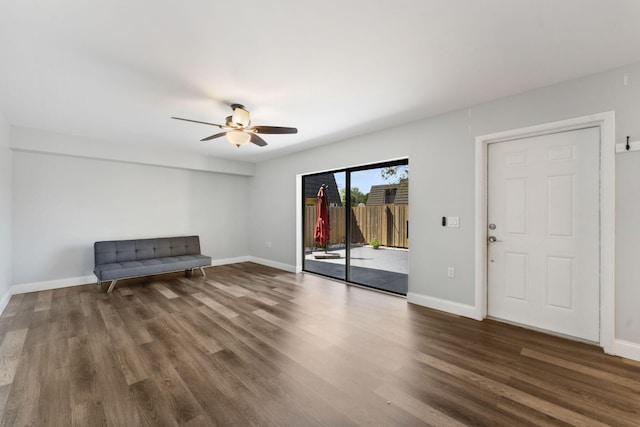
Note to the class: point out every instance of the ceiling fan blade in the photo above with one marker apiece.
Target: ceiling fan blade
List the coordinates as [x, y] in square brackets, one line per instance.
[257, 140]
[196, 121]
[217, 135]
[273, 129]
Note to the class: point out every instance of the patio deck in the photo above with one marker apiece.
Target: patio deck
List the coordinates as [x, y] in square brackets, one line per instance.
[385, 268]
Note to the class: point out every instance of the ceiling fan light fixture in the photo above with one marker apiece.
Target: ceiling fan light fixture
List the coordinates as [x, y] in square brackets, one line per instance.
[237, 130]
[240, 117]
[238, 137]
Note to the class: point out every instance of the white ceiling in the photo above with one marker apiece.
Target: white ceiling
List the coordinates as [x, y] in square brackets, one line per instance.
[117, 70]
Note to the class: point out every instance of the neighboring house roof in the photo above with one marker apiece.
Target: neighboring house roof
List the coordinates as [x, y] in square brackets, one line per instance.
[378, 195]
[312, 184]
[402, 195]
[389, 194]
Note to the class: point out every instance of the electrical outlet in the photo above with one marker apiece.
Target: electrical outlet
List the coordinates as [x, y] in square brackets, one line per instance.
[451, 273]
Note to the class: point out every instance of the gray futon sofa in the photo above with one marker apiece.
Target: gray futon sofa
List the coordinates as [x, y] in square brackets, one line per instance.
[123, 259]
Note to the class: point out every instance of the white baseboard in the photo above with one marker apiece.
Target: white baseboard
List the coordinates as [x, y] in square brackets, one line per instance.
[225, 261]
[443, 305]
[627, 349]
[273, 264]
[4, 301]
[620, 348]
[24, 288]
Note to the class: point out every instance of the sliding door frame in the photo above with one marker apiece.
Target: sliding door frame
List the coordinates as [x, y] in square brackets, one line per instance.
[347, 171]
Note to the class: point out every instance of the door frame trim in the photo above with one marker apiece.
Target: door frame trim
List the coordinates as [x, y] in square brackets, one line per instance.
[606, 123]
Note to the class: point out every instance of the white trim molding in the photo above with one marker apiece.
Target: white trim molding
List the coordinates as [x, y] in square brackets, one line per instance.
[606, 123]
[274, 264]
[225, 261]
[626, 349]
[4, 301]
[24, 288]
[442, 305]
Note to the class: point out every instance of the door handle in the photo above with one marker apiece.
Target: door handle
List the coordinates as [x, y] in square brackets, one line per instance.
[492, 239]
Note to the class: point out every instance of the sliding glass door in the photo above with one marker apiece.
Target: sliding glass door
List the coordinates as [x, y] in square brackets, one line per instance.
[379, 219]
[326, 254]
[368, 216]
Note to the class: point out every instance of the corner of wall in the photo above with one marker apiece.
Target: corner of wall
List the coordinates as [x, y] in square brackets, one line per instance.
[6, 209]
[4, 300]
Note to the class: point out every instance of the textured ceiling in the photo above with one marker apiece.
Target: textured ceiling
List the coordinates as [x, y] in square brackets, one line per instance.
[117, 70]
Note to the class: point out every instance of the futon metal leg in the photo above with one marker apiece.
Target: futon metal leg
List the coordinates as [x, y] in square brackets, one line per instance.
[202, 270]
[112, 285]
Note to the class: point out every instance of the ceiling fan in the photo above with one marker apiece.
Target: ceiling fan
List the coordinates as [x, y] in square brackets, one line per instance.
[238, 130]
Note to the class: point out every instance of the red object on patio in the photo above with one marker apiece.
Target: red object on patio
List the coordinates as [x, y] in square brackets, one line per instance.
[321, 235]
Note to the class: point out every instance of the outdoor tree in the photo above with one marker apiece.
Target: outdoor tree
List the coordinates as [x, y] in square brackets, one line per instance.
[357, 196]
[395, 174]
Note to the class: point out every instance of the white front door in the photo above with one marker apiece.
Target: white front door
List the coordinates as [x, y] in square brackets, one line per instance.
[543, 211]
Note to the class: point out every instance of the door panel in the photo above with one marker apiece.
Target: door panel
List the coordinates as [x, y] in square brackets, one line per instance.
[560, 282]
[561, 217]
[515, 266]
[543, 197]
[516, 205]
[381, 217]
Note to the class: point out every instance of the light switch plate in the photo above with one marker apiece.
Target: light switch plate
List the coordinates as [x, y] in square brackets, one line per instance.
[453, 221]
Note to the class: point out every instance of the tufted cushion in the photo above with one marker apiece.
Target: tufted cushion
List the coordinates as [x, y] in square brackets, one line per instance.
[105, 252]
[126, 250]
[178, 246]
[162, 247]
[144, 249]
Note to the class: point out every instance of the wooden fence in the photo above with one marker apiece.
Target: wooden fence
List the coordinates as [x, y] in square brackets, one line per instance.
[386, 223]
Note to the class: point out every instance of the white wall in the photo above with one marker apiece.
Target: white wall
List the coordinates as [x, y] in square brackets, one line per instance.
[628, 244]
[5, 210]
[441, 154]
[62, 205]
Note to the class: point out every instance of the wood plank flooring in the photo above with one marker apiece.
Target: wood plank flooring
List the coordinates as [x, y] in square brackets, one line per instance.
[251, 345]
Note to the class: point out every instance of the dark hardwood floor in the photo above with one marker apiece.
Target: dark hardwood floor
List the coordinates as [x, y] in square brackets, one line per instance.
[251, 345]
